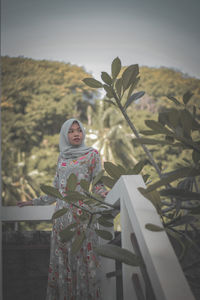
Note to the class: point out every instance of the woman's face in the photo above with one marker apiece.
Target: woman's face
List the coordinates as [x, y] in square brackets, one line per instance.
[75, 135]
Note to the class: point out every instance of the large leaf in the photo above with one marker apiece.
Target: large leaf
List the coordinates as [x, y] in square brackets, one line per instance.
[187, 96]
[104, 234]
[85, 184]
[137, 168]
[153, 227]
[195, 156]
[180, 173]
[118, 86]
[78, 242]
[68, 233]
[93, 83]
[195, 211]
[106, 78]
[74, 196]
[133, 86]
[108, 181]
[119, 254]
[102, 221]
[177, 237]
[174, 100]
[153, 196]
[97, 178]
[51, 191]
[113, 170]
[115, 67]
[133, 98]
[149, 132]
[109, 90]
[183, 194]
[129, 76]
[59, 213]
[71, 183]
[148, 141]
[186, 121]
[183, 220]
[157, 126]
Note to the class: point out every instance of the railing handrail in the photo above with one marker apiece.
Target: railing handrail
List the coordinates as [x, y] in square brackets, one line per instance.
[165, 273]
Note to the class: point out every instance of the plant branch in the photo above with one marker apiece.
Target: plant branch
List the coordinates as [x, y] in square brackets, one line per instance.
[146, 150]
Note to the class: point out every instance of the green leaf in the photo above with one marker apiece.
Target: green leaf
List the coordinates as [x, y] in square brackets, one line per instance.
[74, 196]
[149, 132]
[129, 76]
[108, 90]
[133, 98]
[104, 234]
[176, 236]
[67, 233]
[195, 211]
[186, 121]
[118, 86]
[183, 220]
[187, 96]
[119, 254]
[174, 100]
[115, 67]
[182, 193]
[97, 178]
[109, 102]
[137, 168]
[153, 196]
[51, 191]
[93, 83]
[59, 213]
[102, 221]
[157, 126]
[109, 182]
[132, 87]
[85, 184]
[153, 227]
[180, 173]
[77, 243]
[195, 156]
[106, 78]
[113, 170]
[148, 141]
[71, 183]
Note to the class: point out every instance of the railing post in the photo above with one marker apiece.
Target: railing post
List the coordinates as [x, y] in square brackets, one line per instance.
[128, 271]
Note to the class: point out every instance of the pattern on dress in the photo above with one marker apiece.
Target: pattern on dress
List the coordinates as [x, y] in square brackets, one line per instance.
[73, 277]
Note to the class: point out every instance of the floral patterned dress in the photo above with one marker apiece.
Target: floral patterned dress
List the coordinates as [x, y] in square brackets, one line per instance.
[73, 277]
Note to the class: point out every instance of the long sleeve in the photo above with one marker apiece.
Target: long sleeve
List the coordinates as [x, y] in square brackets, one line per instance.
[46, 199]
[99, 188]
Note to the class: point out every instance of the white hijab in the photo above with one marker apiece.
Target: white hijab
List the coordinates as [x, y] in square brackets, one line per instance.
[66, 149]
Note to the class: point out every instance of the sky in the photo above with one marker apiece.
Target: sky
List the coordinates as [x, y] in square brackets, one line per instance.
[91, 33]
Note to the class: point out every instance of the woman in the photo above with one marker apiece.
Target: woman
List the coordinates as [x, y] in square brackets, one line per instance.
[72, 277]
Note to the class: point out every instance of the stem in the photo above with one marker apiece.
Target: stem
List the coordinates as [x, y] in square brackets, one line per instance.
[100, 201]
[146, 150]
[83, 208]
[90, 220]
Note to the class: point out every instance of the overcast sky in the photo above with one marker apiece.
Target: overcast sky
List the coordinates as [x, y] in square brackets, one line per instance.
[91, 33]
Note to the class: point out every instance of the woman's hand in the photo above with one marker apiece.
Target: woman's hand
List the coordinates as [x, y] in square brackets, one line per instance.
[25, 203]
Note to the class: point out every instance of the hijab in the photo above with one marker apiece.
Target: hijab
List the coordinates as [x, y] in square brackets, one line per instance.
[66, 149]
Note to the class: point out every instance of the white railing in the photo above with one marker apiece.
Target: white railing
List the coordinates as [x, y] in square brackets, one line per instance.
[164, 271]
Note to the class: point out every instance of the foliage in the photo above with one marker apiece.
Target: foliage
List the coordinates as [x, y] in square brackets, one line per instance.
[92, 208]
[37, 97]
[178, 127]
